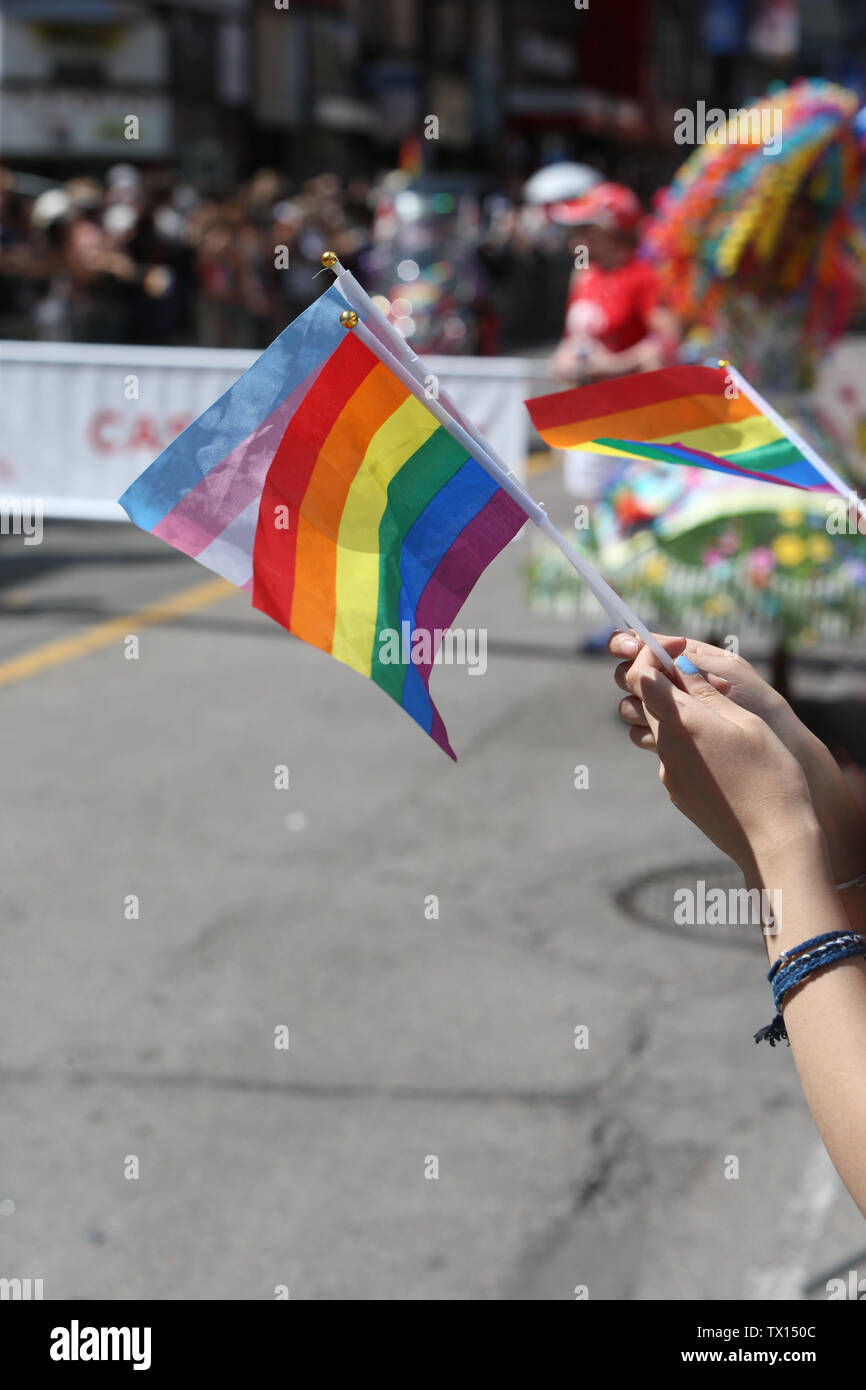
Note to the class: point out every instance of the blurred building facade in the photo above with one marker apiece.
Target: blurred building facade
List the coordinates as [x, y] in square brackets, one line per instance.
[73, 72]
[221, 87]
[155, 154]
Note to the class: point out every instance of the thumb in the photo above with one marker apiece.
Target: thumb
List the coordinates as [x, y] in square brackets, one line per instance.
[697, 684]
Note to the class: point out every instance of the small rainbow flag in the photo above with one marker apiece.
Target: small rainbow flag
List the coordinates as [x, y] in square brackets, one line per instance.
[324, 487]
[691, 415]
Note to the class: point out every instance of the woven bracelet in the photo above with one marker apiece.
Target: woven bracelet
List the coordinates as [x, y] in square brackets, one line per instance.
[785, 957]
[795, 966]
[800, 969]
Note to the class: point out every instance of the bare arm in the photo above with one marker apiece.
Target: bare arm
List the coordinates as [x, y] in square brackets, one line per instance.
[840, 816]
[727, 770]
[825, 1017]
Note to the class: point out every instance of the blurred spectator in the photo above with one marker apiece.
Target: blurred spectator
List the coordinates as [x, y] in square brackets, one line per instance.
[141, 257]
[615, 322]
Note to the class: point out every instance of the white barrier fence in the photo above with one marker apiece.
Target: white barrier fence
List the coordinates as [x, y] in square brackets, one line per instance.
[78, 422]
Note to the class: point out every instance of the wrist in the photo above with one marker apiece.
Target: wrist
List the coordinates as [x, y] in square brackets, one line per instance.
[796, 877]
[793, 845]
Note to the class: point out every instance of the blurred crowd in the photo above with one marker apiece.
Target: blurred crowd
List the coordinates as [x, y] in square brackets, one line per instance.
[142, 257]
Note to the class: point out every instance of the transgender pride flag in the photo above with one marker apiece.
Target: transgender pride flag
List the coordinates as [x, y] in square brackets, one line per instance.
[202, 494]
[323, 484]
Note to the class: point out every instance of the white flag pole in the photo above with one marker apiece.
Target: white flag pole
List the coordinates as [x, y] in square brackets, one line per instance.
[844, 489]
[357, 297]
[614, 606]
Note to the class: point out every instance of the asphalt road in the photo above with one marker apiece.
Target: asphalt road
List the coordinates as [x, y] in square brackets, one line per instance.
[156, 1144]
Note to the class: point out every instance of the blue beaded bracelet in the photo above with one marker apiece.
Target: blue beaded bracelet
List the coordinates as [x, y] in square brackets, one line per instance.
[796, 965]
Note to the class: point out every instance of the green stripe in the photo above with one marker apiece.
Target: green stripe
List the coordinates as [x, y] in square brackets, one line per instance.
[422, 476]
[767, 457]
[655, 452]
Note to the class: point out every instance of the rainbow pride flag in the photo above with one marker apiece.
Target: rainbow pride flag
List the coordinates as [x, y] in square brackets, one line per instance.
[324, 487]
[681, 414]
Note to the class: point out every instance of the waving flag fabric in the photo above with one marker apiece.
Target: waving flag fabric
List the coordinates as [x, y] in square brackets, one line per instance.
[677, 415]
[324, 487]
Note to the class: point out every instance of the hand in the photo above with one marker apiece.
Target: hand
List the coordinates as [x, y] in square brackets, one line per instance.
[729, 673]
[835, 807]
[565, 363]
[600, 363]
[581, 359]
[722, 765]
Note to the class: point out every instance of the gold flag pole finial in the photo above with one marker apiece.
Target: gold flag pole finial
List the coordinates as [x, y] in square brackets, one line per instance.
[723, 362]
[349, 319]
[329, 260]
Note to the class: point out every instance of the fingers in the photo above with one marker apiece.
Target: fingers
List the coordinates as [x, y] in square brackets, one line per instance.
[631, 710]
[700, 686]
[652, 687]
[675, 647]
[627, 645]
[719, 682]
[620, 675]
[653, 700]
[701, 654]
[656, 693]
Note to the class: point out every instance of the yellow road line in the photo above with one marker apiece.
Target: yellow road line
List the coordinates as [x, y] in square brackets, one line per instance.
[19, 668]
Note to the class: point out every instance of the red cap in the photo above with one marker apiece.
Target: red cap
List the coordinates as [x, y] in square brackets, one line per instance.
[608, 205]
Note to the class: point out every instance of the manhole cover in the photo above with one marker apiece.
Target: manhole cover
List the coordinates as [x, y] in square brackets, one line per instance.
[702, 902]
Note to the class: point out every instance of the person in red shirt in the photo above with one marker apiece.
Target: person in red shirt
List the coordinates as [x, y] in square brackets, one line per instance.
[614, 321]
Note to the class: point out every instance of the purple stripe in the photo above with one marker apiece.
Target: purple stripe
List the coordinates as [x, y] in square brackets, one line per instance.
[453, 578]
[223, 493]
[724, 463]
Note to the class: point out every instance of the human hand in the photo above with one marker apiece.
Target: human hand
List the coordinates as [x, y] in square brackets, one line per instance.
[728, 672]
[835, 807]
[565, 363]
[722, 766]
[600, 363]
